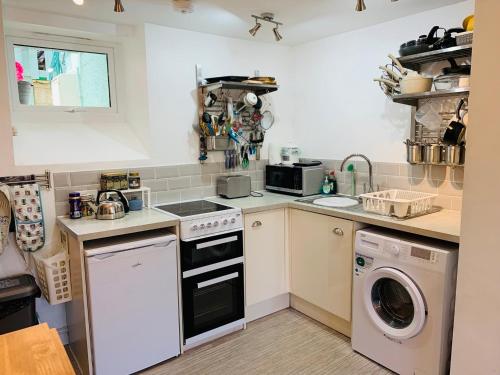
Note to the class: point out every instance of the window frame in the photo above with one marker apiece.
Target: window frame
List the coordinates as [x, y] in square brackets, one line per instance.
[12, 41]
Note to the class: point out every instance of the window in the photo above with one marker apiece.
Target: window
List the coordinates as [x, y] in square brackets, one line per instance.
[59, 76]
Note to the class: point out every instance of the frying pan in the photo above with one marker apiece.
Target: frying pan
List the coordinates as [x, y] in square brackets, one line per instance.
[455, 132]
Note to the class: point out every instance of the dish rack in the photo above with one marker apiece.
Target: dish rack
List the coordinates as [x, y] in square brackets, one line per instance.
[402, 204]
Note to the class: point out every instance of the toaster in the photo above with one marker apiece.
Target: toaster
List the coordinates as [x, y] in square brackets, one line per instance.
[235, 186]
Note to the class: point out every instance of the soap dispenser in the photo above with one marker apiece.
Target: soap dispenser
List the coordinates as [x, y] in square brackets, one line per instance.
[326, 186]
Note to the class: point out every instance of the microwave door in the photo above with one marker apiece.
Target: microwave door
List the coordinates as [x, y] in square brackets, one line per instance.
[281, 177]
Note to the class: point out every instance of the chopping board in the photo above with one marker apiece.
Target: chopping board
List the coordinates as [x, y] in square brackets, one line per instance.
[36, 350]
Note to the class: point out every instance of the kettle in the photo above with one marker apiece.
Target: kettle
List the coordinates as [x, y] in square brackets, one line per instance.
[111, 205]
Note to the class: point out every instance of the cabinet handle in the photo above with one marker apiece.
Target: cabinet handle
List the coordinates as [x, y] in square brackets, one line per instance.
[338, 231]
[256, 224]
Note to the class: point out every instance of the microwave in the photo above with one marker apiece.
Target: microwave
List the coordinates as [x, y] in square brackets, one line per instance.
[295, 180]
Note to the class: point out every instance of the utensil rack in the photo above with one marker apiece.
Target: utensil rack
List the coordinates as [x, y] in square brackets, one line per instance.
[42, 179]
[250, 133]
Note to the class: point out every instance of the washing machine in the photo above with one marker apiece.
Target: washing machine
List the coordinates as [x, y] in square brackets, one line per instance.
[403, 301]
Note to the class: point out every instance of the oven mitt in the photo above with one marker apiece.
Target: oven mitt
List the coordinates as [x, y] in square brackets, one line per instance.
[28, 216]
[5, 216]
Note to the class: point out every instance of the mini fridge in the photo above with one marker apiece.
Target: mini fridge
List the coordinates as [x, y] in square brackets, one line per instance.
[133, 302]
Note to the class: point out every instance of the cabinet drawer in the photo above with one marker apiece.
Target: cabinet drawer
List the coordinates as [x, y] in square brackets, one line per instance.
[265, 256]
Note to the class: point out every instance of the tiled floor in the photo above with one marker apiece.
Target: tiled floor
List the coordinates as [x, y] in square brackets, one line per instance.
[283, 343]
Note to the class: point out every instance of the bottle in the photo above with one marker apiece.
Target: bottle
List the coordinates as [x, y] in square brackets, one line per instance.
[75, 206]
[333, 182]
[326, 186]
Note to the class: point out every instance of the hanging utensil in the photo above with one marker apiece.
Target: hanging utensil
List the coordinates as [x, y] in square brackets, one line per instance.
[267, 121]
[455, 132]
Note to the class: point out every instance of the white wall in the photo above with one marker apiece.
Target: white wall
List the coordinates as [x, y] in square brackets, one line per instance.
[171, 58]
[339, 109]
[476, 340]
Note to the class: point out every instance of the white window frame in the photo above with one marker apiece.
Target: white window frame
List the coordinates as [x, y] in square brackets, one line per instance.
[12, 41]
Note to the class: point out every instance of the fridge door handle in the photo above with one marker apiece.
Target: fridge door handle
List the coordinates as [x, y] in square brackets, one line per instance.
[164, 244]
[220, 241]
[217, 280]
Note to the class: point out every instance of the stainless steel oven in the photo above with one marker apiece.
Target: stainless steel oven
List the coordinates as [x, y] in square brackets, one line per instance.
[212, 283]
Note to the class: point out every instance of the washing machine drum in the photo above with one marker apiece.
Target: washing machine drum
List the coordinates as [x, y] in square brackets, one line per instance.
[394, 303]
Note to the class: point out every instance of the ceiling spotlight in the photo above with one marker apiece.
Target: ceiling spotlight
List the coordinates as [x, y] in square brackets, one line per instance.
[360, 6]
[79, 2]
[277, 34]
[267, 17]
[256, 28]
[119, 6]
[183, 6]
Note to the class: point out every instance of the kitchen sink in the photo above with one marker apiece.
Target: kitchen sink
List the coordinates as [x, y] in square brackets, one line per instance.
[346, 202]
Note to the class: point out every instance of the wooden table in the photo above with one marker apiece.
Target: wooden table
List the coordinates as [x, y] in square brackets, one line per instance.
[34, 351]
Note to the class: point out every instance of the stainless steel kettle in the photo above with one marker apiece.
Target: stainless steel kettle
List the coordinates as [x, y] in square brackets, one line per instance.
[111, 205]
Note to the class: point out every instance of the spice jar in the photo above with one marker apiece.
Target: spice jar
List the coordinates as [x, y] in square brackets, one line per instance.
[75, 206]
[87, 204]
[134, 180]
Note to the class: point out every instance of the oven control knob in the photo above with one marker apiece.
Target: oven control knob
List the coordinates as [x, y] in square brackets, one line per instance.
[216, 224]
[202, 226]
[194, 228]
[209, 225]
[224, 222]
[233, 220]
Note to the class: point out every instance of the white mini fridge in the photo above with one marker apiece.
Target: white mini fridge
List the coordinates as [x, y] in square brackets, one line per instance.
[133, 302]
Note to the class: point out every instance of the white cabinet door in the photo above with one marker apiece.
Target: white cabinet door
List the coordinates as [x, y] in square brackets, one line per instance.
[265, 256]
[321, 261]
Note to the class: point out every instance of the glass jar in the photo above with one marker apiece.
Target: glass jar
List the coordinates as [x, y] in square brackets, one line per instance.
[134, 180]
[87, 203]
[123, 181]
[75, 205]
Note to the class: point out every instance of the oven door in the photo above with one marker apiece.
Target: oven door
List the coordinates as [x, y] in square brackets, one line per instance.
[210, 250]
[212, 299]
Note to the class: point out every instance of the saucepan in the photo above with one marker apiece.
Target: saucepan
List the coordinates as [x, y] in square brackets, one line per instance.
[455, 132]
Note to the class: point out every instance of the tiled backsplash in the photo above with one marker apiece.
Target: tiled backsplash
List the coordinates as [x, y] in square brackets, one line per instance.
[168, 184]
[444, 181]
[194, 181]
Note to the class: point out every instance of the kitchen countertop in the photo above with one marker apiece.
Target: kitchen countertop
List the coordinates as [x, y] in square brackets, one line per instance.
[135, 221]
[442, 225]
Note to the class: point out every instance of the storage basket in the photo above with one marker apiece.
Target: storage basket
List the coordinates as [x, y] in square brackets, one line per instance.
[54, 275]
[398, 203]
[464, 38]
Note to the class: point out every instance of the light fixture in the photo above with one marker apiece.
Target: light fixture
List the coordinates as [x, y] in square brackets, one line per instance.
[267, 17]
[277, 34]
[119, 6]
[183, 6]
[360, 6]
[79, 2]
[256, 28]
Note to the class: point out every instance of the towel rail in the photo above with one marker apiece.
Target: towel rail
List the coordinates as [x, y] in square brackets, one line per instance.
[42, 179]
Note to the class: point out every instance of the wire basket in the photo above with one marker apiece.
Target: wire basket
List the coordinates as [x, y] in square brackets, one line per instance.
[54, 276]
[398, 203]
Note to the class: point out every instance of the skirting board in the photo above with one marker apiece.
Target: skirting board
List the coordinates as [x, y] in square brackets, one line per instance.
[322, 316]
[267, 307]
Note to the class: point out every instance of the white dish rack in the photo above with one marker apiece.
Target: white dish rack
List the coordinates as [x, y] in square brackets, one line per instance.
[402, 204]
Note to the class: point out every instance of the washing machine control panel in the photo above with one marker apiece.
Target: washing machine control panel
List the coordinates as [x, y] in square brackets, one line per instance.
[362, 263]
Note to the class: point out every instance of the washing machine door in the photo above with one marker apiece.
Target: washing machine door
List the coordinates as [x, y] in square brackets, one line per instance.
[394, 303]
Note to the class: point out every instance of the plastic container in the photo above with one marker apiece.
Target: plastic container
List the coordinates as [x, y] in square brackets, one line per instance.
[17, 303]
[464, 38]
[398, 203]
[54, 275]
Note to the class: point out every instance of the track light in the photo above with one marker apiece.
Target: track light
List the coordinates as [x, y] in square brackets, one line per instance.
[119, 6]
[277, 34]
[79, 2]
[254, 29]
[267, 17]
[360, 6]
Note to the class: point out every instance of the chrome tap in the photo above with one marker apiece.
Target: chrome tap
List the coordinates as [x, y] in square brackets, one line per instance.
[370, 168]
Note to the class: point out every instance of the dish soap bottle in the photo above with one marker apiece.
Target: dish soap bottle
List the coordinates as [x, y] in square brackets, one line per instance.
[333, 182]
[326, 186]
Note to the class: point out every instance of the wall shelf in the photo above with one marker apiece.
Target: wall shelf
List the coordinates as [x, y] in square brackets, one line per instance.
[412, 99]
[415, 61]
[258, 89]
